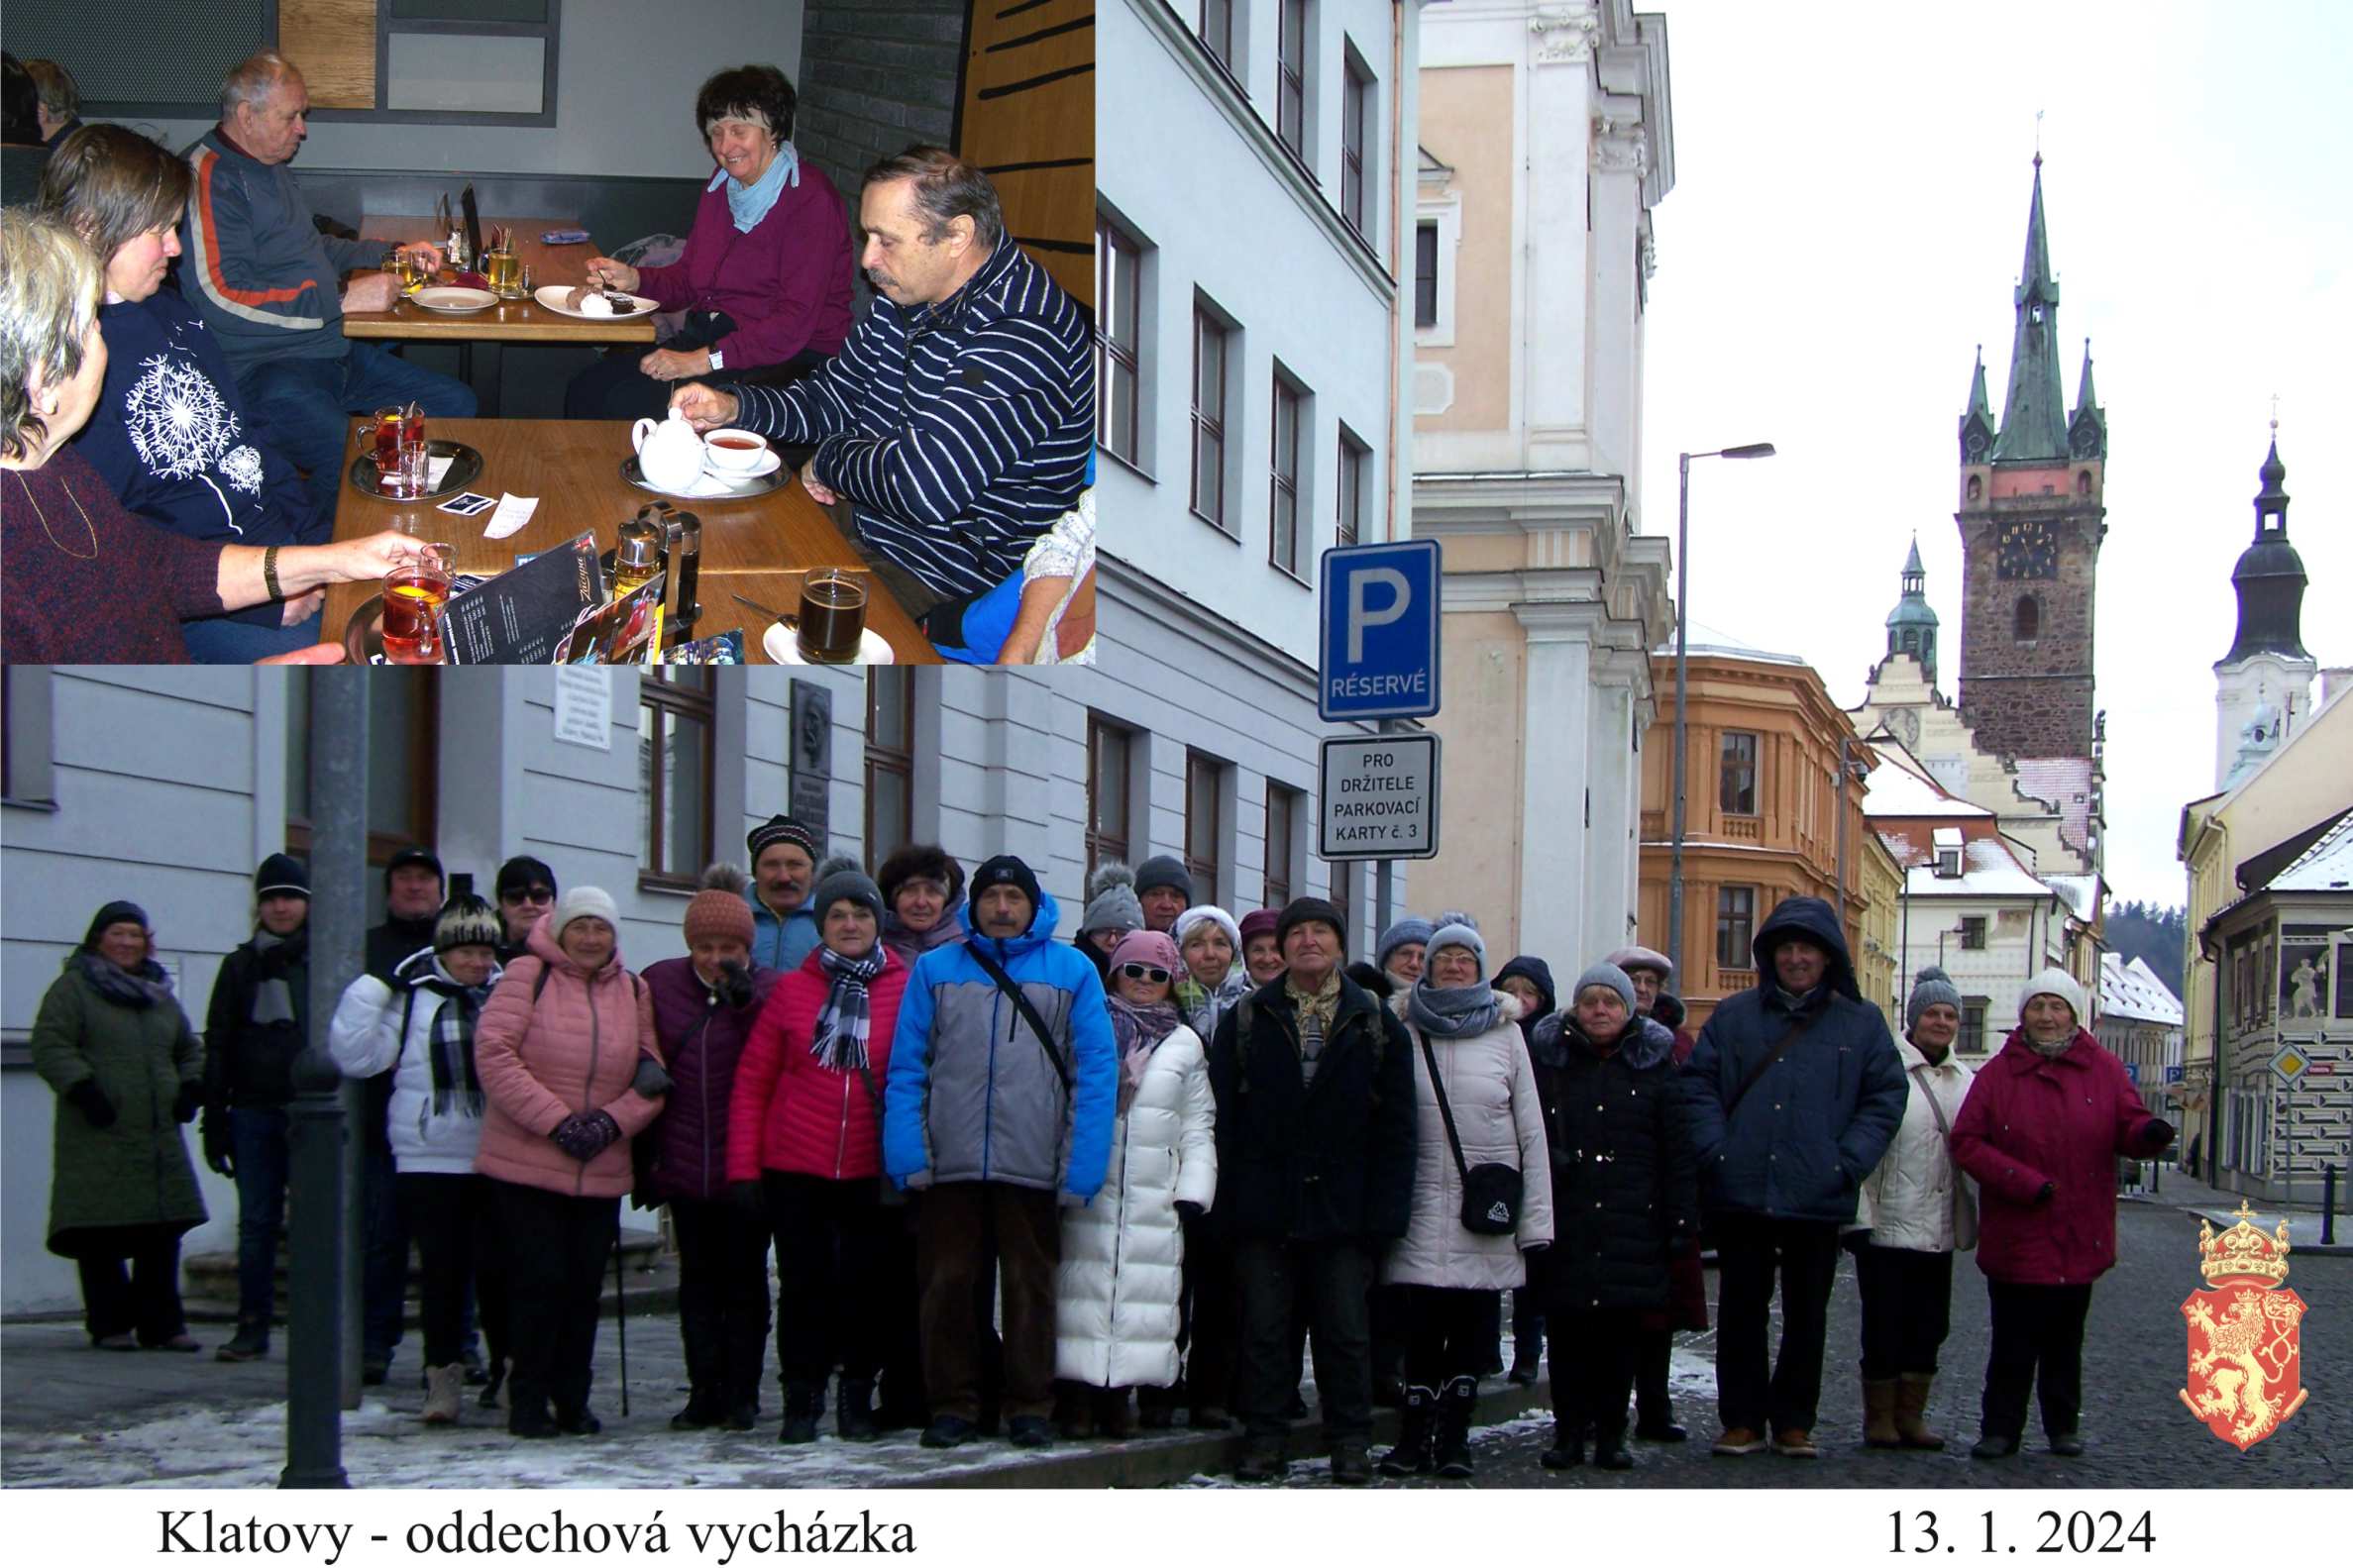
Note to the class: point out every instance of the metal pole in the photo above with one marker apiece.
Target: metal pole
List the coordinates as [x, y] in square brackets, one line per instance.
[2328, 1205]
[1842, 838]
[1674, 877]
[318, 1134]
[1382, 892]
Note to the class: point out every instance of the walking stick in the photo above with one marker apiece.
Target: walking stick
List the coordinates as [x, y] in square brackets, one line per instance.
[620, 1308]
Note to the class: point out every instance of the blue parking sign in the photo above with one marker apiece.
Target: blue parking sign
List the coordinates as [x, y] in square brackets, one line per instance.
[1379, 646]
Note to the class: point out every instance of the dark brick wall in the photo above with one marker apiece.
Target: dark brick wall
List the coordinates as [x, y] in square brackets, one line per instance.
[875, 75]
[2030, 699]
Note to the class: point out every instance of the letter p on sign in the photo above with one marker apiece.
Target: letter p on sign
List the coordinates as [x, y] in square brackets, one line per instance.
[1362, 615]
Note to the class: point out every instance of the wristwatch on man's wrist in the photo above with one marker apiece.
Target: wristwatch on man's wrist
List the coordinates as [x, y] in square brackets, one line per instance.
[718, 361]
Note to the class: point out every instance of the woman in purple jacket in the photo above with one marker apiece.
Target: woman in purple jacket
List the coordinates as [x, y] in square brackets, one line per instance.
[766, 278]
[704, 1006]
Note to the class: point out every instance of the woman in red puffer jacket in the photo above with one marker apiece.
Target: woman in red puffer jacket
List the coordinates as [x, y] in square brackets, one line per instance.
[2042, 1129]
[566, 1052]
[804, 1123]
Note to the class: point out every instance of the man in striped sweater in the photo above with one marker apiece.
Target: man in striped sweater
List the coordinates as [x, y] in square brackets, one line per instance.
[959, 417]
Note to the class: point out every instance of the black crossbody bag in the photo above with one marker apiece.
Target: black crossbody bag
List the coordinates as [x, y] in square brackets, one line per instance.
[1030, 1014]
[1491, 1193]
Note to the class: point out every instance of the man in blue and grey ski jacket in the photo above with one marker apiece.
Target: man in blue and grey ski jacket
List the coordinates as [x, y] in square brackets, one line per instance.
[999, 1111]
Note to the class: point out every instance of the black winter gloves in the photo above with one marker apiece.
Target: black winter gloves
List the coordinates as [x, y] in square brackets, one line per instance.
[735, 985]
[188, 1101]
[88, 1098]
[218, 1151]
[651, 1080]
[586, 1134]
[2161, 1132]
[748, 1197]
[1189, 1211]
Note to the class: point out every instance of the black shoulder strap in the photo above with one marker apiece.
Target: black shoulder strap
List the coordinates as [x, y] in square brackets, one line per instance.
[1779, 1050]
[1446, 1111]
[1029, 1016]
[539, 981]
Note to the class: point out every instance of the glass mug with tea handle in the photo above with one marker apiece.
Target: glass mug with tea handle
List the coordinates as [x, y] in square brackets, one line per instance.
[415, 593]
[833, 617]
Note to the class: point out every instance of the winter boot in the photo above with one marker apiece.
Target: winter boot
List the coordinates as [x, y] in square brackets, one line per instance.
[744, 1360]
[1073, 1411]
[704, 1410]
[801, 1414]
[853, 1418]
[493, 1384]
[1457, 1402]
[1263, 1460]
[1411, 1456]
[445, 1391]
[1911, 1410]
[251, 1342]
[1609, 1446]
[1568, 1444]
[1654, 1407]
[1350, 1468]
[529, 1419]
[1879, 1413]
[1114, 1419]
[1528, 1337]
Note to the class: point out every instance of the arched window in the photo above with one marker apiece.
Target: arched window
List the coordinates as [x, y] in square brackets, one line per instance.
[2029, 622]
[1976, 488]
[2084, 483]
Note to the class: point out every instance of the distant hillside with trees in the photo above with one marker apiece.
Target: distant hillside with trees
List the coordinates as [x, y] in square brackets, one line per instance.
[2152, 933]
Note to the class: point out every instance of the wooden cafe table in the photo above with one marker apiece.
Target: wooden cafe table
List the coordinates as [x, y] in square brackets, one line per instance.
[510, 320]
[573, 467]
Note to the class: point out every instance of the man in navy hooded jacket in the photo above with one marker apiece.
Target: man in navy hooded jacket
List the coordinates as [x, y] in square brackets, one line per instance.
[996, 1126]
[1793, 1092]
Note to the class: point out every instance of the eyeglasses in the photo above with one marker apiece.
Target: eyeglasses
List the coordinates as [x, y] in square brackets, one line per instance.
[528, 895]
[1150, 972]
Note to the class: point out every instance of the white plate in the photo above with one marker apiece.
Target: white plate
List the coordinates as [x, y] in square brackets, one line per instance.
[785, 648]
[455, 301]
[552, 296]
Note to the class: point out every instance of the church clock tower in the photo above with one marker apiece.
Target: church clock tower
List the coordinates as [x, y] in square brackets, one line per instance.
[2032, 517]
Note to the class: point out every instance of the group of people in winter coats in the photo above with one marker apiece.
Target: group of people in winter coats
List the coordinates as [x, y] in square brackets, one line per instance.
[1012, 1180]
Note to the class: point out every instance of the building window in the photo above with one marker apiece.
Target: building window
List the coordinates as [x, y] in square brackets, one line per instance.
[890, 762]
[1109, 747]
[1356, 462]
[1217, 29]
[2028, 623]
[1283, 537]
[1736, 927]
[1425, 275]
[1211, 342]
[1290, 118]
[1355, 113]
[1736, 765]
[1972, 933]
[1205, 781]
[403, 762]
[674, 729]
[27, 774]
[1972, 1022]
[1119, 341]
[1282, 807]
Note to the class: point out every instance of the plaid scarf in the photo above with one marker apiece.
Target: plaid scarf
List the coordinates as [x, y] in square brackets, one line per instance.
[1315, 1010]
[839, 1039]
[450, 1041]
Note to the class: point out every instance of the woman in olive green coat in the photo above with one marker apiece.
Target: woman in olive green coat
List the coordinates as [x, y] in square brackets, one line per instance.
[128, 1070]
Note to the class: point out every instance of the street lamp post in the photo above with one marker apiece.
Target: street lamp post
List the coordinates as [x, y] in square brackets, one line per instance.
[317, 1128]
[1674, 881]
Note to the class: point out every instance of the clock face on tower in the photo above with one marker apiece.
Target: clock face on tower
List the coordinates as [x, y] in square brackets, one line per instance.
[2025, 549]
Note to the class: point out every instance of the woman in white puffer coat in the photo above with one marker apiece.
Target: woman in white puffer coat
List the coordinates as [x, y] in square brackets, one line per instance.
[1122, 1275]
[1916, 1210]
[1471, 1033]
[420, 1028]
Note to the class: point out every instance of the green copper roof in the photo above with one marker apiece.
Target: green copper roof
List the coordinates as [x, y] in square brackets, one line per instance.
[2084, 394]
[2034, 415]
[1912, 609]
[1911, 565]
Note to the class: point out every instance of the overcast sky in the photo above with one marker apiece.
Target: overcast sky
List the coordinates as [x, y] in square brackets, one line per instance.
[1846, 227]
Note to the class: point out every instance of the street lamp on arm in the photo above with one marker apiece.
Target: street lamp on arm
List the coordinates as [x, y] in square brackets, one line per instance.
[1674, 881]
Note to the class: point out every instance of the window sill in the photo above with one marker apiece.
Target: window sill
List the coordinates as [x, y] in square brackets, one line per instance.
[17, 803]
[1136, 468]
[1282, 570]
[684, 888]
[1215, 527]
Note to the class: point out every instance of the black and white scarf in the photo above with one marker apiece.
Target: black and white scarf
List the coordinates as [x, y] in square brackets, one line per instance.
[273, 996]
[450, 1041]
[839, 1039]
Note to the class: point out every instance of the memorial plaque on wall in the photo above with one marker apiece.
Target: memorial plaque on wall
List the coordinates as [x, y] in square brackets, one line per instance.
[812, 758]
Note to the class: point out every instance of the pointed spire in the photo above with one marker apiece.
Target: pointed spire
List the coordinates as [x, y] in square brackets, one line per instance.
[2083, 395]
[2269, 577]
[2273, 501]
[1978, 402]
[1911, 565]
[1977, 421]
[2034, 415]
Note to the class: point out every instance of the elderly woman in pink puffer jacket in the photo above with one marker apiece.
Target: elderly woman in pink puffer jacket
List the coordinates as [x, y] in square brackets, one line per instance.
[567, 1055]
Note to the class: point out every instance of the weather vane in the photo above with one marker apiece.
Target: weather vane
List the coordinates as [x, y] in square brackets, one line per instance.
[2038, 139]
[2275, 413]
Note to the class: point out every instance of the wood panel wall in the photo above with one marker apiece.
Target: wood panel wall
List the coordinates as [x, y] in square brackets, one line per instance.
[1027, 118]
[333, 44]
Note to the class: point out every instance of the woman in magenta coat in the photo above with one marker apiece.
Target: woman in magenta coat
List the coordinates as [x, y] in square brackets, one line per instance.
[804, 1122]
[2042, 1129]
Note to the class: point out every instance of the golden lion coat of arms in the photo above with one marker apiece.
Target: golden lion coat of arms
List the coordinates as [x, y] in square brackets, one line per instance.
[2245, 1360]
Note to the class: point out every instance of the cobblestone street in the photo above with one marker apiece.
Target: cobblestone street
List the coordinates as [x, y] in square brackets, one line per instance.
[2134, 1356]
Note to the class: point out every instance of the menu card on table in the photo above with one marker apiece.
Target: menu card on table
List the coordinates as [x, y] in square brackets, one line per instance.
[520, 616]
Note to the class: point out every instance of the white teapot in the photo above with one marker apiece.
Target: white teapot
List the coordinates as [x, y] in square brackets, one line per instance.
[668, 453]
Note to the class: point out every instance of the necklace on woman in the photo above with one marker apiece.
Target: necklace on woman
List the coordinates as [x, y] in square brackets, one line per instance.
[43, 516]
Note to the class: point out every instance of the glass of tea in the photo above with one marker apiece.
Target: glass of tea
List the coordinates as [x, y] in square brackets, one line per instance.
[414, 595]
[382, 437]
[833, 617]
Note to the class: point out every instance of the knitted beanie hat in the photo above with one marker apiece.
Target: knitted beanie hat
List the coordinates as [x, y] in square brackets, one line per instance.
[1301, 910]
[2055, 982]
[281, 873]
[1259, 922]
[578, 901]
[1164, 870]
[1112, 904]
[1206, 914]
[1146, 947]
[1930, 986]
[1411, 929]
[1605, 974]
[848, 883]
[718, 913]
[468, 921]
[1456, 935]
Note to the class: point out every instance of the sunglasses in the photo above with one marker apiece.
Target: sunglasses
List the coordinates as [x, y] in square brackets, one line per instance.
[529, 895]
[1150, 972]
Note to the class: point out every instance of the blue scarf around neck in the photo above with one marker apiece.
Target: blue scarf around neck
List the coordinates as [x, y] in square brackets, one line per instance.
[748, 204]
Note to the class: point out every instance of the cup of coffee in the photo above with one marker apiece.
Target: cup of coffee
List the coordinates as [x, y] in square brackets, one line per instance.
[833, 617]
[734, 451]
